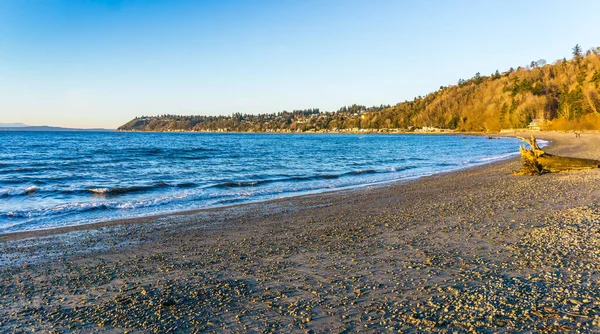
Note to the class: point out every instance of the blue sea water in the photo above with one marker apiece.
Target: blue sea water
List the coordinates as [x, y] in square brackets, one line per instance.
[54, 179]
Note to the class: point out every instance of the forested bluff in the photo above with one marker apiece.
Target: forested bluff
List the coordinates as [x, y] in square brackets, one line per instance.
[563, 95]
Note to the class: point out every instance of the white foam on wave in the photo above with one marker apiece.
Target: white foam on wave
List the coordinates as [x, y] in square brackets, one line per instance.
[19, 191]
[99, 190]
[495, 157]
[69, 208]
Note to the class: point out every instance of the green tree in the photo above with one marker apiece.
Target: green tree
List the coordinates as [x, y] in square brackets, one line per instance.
[577, 52]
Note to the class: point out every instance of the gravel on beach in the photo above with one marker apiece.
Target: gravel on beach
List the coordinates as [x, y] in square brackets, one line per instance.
[477, 250]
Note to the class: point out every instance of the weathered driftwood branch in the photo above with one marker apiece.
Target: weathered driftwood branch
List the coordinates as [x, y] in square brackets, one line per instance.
[535, 161]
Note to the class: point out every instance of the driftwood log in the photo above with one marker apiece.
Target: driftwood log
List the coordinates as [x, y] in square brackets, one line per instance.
[536, 162]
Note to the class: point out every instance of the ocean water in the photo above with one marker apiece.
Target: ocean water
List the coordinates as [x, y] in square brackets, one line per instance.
[53, 179]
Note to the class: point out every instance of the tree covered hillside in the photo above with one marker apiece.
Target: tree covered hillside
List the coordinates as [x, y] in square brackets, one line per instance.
[564, 94]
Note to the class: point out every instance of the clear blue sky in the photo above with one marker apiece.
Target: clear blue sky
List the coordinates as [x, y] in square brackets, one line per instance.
[100, 63]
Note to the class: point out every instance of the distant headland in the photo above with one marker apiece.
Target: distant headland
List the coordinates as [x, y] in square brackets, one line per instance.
[25, 127]
[563, 95]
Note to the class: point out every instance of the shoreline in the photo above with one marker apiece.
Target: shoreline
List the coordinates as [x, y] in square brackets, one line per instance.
[502, 133]
[476, 249]
[141, 219]
[321, 192]
[144, 219]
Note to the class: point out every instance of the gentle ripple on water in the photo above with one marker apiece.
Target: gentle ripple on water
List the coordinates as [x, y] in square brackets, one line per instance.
[53, 179]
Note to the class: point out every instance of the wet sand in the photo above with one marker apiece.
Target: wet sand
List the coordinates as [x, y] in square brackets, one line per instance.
[472, 250]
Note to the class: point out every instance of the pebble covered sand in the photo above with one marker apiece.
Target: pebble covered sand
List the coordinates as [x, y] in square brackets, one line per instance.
[478, 250]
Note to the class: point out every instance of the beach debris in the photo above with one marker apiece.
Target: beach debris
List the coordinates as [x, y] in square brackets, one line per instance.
[536, 161]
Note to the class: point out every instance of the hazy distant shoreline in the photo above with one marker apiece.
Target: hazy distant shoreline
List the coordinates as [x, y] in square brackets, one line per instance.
[52, 129]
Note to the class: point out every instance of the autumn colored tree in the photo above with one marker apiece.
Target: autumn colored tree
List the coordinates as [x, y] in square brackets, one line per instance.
[564, 93]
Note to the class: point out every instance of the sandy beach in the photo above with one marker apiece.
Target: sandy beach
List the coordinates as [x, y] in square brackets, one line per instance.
[476, 250]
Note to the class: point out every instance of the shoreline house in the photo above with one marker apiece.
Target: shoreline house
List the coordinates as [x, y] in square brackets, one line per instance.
[535, 124]
[428, 129]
